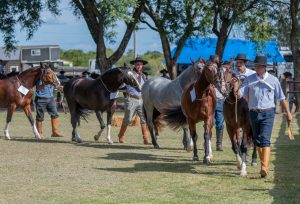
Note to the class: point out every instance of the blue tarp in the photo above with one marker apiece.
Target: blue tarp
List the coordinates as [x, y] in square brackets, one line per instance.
[204, 47]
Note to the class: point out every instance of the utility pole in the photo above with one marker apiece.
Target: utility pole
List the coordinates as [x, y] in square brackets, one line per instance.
[134, 43]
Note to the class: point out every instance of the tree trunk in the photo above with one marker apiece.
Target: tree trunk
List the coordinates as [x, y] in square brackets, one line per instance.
[222, 38]
[295, 47]
[170, 63]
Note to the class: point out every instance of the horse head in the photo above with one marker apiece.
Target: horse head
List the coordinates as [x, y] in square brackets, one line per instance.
[130, 79]
[210, 71]
[197, 67]
[48, 76]
[234, 83]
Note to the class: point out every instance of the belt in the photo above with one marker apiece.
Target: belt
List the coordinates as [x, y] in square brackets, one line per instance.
[260, 110]
[133, 96]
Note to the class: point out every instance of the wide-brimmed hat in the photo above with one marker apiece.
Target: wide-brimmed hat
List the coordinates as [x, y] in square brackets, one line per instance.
[86, 72]
[62, 72]
[260, 60]
[241, 56]
[164, 71]
[138, 60]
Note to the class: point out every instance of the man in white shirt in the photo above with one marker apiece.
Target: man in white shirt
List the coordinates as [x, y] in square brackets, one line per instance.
[241, 70]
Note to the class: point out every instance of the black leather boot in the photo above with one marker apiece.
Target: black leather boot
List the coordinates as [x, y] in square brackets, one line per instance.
[219, 137]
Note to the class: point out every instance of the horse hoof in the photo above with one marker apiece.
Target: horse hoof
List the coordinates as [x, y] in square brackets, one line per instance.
[189, 148]
[78, 140]
[110, 142]
[156, 147]
[6, 138]
[253, 163]
[96, 138]
[195, 158]
[243, 173]
[206, 161]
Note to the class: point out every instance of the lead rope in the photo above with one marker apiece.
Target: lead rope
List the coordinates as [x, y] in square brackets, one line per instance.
[235, 107]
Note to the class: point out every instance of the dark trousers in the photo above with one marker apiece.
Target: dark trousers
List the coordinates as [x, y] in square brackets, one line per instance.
[262, 125]
[218, 116]
[45, 104]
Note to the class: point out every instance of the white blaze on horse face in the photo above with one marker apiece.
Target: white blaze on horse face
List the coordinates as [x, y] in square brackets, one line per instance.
[109, 140]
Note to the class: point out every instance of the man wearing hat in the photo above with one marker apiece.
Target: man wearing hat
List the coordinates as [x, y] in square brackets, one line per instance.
[241, 70]
[164, 73]
[260, 90]
[85, 74]
[134, 103]
[220, 91]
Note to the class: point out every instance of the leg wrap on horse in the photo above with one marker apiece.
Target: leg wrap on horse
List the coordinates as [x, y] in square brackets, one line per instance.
[219, 139]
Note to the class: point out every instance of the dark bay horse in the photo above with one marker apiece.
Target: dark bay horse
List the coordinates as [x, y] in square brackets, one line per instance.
[160, 93]
[16, 91]
[83, 94]
[198, 103]
[236, 116]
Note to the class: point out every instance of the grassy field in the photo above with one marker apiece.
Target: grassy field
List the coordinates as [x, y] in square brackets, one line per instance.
[60, 171]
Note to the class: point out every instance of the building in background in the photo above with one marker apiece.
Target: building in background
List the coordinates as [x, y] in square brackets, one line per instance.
[25, 57]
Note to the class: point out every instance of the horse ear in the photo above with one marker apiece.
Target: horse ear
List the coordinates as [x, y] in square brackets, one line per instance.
[193, 61]
[231, 61]
[203, 60]
[42, 65]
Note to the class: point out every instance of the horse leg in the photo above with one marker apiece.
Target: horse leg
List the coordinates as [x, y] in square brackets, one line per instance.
[109, 118]
[150, 124]
[75, 119]
[234, 143]
[27, 110]
[10, 112]
[186, 140]
[102, 125]
[192, 127]
[206, 159]
[210, 155]
[244, 149]
[254, 157]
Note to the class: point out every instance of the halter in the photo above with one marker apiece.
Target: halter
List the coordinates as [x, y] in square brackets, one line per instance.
[105, 85]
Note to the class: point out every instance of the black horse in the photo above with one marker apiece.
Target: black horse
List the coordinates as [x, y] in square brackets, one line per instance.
[83, 94]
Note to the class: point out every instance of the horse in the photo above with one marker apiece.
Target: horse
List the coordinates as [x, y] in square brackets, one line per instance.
[83, 94]
[16, 91]
[198, 103]
[161, 93]
[236, 116]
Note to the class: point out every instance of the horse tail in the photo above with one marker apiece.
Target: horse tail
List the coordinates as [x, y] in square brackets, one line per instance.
[81, 113]
[158, 120]
[174, 117]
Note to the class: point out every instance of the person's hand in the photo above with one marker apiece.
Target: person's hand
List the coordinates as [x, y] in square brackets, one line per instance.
[223, 89]
[39, 87]
[60, 88]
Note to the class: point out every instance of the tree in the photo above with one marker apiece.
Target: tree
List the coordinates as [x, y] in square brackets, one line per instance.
[230, 12]
[25, 13]
[175, 21]
[101, 17]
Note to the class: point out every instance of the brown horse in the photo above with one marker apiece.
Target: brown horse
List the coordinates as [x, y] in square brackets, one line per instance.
[198, 103]
[16, 91]
[236, 116]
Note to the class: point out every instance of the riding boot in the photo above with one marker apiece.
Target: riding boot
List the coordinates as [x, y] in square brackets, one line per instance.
[265, 161]
[145, 134]
[219, 133]
[39, 127]
[55, 132]
[122, 132]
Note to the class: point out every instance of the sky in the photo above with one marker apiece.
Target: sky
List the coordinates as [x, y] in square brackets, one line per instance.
[69, 32]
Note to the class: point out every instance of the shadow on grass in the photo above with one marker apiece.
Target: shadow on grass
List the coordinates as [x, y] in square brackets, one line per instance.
[287, 165]
[171, 167]
[101, 145]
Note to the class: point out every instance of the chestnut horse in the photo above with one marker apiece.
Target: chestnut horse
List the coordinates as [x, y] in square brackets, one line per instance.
[16, 91]
[198, 103]
[83, 94]
[236, 116]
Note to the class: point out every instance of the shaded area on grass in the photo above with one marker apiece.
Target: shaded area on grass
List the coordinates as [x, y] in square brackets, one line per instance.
[287, 165]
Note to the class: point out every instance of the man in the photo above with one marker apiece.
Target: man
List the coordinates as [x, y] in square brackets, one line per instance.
[218, 115]
[85, 74]
[44, 100]
[260, 89]
[164, 73]
[134, 103]
[1, 67]
[241, 70]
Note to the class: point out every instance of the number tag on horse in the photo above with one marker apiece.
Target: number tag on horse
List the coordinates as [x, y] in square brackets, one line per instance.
[23, 90]
[113, 95]
[193, 94]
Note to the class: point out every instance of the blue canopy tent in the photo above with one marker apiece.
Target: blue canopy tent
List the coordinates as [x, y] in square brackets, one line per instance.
[204, 47]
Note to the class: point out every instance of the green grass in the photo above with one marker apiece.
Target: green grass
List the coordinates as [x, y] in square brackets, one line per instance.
[59, 171]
